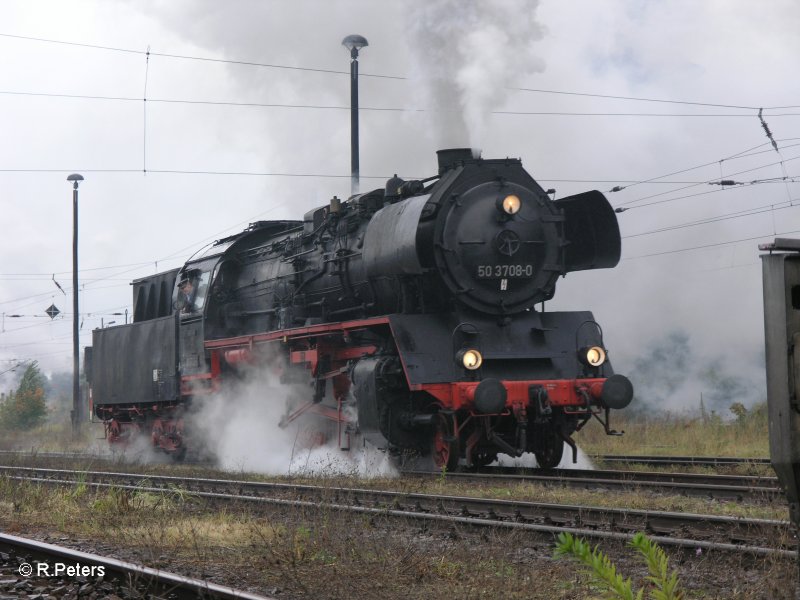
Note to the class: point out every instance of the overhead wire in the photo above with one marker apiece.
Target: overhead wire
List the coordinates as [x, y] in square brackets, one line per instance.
[383, 76]
[705, 246]
[85, 270]
[728, 216]
[638, 99]
[743, 154]
[195, 58]
[706, 193]
[710, 181]
[144, 100]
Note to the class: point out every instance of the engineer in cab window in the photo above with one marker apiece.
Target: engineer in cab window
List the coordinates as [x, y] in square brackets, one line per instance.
[186, 295]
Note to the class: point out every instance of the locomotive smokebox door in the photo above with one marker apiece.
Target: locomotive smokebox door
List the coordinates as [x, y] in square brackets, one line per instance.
[781, 271]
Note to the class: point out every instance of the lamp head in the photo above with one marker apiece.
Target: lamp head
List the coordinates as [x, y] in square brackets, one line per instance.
[354, 43]
[75, 178]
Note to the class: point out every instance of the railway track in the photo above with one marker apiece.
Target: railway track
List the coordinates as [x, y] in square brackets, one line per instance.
[51, 455]
[737, 488]
[103, 576]
[606, 459]
[668, 528]
[720, 487]
[694, 461]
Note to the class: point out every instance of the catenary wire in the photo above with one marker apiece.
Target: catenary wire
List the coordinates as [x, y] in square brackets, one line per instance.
[705, 246]
[726, 217]
[383, 76]
[743, 154]
[146, 100]
[772, 164]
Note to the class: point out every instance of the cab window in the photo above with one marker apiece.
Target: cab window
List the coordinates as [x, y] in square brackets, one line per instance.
[201, 289]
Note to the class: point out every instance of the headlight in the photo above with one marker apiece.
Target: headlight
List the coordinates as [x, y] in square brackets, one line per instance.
[593, 356]
[510, 204]
[470, 359]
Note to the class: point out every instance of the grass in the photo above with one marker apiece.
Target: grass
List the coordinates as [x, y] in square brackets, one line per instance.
[54, 437]
[444, 485]
[512, 490]
[666, 434]
[319, 553]
[302, 553]
[296, 553]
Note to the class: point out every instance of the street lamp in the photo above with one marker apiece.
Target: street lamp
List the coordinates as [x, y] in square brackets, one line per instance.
[76, 405]
[354, 43]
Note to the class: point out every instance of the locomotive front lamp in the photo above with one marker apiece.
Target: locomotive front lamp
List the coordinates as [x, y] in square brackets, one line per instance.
[470, 359]
[510, 204]
[593, 356]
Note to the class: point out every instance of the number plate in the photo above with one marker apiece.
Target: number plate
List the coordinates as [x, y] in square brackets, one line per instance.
[504, 271]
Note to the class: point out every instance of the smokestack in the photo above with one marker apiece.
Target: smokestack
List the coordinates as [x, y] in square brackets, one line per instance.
[453, 157]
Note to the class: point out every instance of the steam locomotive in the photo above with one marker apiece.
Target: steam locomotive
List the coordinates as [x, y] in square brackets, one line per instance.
[420, 305]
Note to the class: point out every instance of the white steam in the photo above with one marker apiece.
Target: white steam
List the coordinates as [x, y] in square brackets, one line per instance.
[464, 54]
[240, 428]
[528, 460]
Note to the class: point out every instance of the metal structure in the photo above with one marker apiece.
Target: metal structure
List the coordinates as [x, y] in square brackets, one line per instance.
[781, 273]
[781, 280]
[354, 43]
[412, 306]
[76, 413]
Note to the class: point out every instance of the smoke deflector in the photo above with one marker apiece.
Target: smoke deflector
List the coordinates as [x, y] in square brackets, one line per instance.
[591, 231]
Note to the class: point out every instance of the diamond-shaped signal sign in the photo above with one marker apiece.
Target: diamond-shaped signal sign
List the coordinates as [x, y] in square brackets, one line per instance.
[52, 311]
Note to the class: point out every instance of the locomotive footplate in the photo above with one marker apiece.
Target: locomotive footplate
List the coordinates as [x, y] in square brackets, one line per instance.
[491, 396]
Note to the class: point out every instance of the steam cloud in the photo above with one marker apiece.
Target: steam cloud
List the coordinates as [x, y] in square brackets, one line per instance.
[670, 375]
[465, 55]
[240, 429]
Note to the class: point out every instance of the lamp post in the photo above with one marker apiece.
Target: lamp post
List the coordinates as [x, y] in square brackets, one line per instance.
[75, 178]
[354, 43]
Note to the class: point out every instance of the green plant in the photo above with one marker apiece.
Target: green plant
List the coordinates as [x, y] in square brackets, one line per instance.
[25, 408]
[602, 570]
[663, 585]
[443, 474]
[666, 585]
[740, 411]
[80, 486]
[113, 501]
[301, 541]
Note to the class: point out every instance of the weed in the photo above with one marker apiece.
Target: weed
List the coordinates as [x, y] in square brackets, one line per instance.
[80, 487]
[664, 585]
[446, 568]
[443, 474]
[113, 501]
[301, 538]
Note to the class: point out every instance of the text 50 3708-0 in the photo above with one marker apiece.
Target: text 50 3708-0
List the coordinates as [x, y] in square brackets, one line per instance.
[506, 271]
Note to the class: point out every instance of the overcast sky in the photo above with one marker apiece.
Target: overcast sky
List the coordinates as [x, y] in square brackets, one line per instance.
[452, 71]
